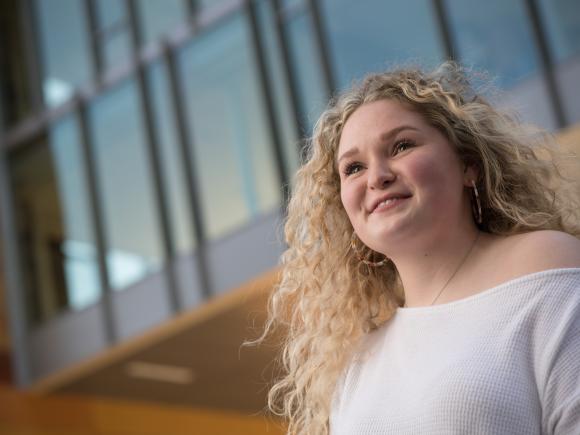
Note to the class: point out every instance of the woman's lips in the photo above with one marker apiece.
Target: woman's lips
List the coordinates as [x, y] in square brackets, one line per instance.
[389, 203]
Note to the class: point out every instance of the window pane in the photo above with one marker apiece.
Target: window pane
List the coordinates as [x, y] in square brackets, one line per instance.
[55, 225]
[117, 50]
[372, 35]
[279, 81]
[64, 42]
[160, 16]
[171, 160]
[292, 3]
[234, 160]
[111, 13]
[78, 248]
[562, 21]
[131, 223]
[495, 36]
[211, 4]
[307, 69]
[114, 31]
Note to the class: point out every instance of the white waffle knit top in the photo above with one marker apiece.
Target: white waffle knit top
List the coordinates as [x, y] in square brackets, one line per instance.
[504, 361]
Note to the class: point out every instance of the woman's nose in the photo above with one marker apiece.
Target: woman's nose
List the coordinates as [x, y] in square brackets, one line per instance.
[380, 176]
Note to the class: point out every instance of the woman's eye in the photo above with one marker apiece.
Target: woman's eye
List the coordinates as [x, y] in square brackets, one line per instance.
[402, 145]
[352, 168]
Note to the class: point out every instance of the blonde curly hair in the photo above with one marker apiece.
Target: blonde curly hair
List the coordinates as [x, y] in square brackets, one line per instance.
[327, 299]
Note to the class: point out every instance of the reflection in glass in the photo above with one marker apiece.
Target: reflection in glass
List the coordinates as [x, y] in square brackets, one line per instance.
[562, 21]
[370, 36]
[234, 159]
[307, 69]
[65, 47]
[496, 36]
[160, 16]
[55, 227]
[125, 184]
[171, 160]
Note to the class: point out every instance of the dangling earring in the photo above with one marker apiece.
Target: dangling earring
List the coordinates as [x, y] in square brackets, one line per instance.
[476, 204]
[360, 256]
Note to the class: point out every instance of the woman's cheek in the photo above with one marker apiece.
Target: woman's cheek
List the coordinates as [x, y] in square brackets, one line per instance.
[425, 172]
[345, 199]
[350, 198]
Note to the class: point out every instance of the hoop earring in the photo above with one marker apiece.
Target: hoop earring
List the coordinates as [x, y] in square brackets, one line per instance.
[358, 252]
[476, 204]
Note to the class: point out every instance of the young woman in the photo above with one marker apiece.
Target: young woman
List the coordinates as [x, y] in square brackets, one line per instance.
[432, 279]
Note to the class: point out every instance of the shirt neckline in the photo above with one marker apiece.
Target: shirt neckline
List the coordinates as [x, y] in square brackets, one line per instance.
[489, 291]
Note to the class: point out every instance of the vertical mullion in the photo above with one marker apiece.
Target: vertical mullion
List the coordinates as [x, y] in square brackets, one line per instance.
[152, 144]
[290, 79]
[13, 273]
[98, 222]
[546, 61]
[194, 197]
[322, 45]
[444, 29]
[35, 68]
[191, 6]
[96, 51]
[267, 93]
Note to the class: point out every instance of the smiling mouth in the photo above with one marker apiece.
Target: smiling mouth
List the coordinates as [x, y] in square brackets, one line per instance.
[389, 203]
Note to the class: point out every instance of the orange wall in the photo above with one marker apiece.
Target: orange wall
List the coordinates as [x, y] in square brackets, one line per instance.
[28, 414]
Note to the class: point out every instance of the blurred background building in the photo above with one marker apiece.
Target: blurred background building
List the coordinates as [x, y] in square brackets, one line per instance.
[146, 152]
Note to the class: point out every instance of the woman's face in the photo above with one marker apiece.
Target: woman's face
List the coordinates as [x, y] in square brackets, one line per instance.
[401, 181]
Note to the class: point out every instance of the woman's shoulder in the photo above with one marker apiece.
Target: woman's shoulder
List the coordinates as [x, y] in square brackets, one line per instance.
[536, 251]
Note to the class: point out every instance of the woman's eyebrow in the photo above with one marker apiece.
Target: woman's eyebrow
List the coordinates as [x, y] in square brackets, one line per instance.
[390, 134]
[348, 153]
[384, 137]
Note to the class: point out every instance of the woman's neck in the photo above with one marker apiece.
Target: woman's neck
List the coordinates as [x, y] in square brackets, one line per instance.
[431, 272]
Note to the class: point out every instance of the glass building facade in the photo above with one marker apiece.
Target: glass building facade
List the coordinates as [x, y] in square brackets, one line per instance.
[147, 146]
